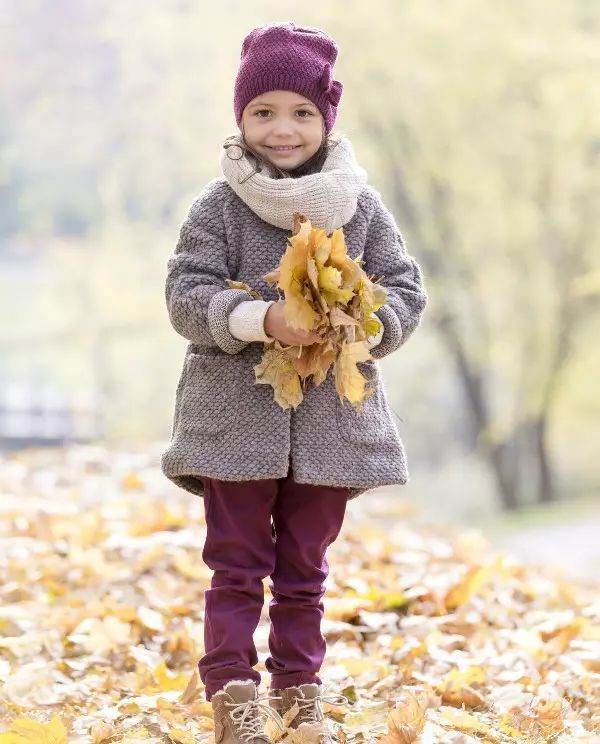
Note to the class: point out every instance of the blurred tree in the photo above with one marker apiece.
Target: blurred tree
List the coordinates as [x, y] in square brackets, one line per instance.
[490, 158]
[478, 122]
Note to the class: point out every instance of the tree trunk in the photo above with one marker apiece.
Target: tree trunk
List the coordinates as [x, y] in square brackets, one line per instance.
[546, 492]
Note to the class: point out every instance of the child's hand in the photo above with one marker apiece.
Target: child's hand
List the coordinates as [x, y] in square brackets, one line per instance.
[275, 325]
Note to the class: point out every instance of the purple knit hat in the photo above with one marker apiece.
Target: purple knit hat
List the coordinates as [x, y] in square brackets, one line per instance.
[283, 56]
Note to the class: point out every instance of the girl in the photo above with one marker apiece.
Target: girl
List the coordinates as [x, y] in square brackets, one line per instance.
[275, 481]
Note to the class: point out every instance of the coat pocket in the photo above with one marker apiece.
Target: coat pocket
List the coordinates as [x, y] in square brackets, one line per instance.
[210, 394]
[374, 423]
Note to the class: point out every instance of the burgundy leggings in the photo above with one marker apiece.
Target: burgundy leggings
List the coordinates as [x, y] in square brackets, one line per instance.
[258, 528]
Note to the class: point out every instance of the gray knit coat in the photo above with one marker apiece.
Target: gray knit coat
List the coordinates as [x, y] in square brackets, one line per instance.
[228, 427]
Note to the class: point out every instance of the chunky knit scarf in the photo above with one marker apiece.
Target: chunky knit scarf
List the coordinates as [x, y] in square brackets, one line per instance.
[328, 197]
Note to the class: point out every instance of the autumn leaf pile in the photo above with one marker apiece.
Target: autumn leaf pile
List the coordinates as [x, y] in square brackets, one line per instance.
[329, 293]
[431, 635]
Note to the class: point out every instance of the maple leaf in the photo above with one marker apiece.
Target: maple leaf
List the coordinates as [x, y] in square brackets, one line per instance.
[330, 282]
[349, 382]
[338, 253]
[181, 736]
[406, 720]
[456, 687]
[372, 326]
[100, 635]
[102, 731]
[164, 681]
[326, 292]
[299, 312]
[242, 285]
[29, 731]
[518, 635]
[313, 276]
[276, 369]
[372, 296]
[338, 317]
[322, 247]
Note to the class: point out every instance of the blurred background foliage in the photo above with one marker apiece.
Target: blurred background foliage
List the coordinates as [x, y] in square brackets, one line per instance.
[477, 121]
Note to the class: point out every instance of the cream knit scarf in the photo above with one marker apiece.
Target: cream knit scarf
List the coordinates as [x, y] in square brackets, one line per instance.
[328, 198]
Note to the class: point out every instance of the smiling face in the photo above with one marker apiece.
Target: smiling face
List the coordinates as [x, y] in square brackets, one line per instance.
[281, 118]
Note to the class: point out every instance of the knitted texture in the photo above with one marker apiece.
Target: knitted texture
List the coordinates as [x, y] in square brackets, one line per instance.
[197, 299]
[283, 56]
[328, 197]
[228, 427]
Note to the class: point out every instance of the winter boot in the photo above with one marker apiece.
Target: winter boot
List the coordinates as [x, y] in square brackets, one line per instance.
[236, 714]
[309, 697]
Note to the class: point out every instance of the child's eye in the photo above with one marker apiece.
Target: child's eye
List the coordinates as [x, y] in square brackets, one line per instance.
[300, 111]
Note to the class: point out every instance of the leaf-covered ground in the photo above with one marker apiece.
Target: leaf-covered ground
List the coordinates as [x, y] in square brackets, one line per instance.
[431, 635]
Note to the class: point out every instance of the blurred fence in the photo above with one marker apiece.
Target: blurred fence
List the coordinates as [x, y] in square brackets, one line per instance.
[34, 416]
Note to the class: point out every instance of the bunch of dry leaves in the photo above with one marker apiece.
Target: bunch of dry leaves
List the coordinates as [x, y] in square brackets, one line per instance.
[329, 293]
[431, 635]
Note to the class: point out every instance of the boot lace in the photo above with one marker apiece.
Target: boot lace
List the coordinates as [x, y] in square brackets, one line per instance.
[246, 717]
[311, 709]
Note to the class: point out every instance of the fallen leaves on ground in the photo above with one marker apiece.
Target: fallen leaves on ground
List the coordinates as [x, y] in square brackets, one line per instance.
[431, 636]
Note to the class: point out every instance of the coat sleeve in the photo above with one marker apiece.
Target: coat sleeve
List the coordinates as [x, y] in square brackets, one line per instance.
[385, 258]
[198, 299]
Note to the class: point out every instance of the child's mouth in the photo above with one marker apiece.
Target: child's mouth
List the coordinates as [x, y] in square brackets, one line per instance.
[283, 149]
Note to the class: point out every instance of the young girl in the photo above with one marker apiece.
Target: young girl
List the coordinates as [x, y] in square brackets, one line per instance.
[276, 481]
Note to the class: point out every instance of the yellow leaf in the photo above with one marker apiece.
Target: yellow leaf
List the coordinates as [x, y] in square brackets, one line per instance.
[192, 688]
[273, 276]
[313, 360]
[242, 285]
[130, 709]
[338, 252]
[349, 382]
[469, 585]
[181, 736]
[29, 731]
[345, 608]
[406, 721]
[313, 276]
[102, 634]
[131, 482]
[102, 731]
[330, 281]
[465, 721]
[549, 716]
[322, 249]
[298, 312]
[151, 619]
[276, 369]
[186, 567]
[465, 695]
[318, 278]
[372, 296]
[133, 736]
[338, 317]
[165, 681]
[372, 326]
[307, 733]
